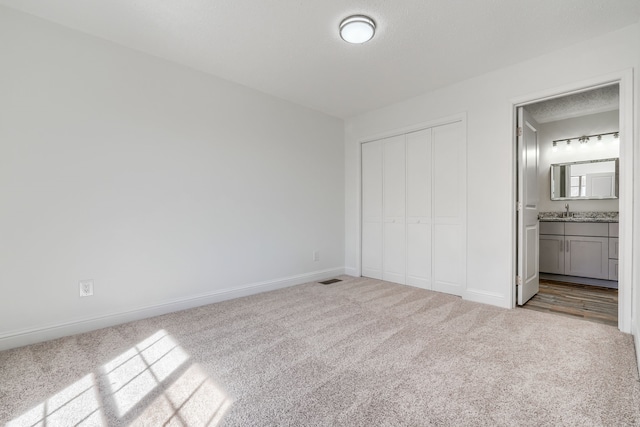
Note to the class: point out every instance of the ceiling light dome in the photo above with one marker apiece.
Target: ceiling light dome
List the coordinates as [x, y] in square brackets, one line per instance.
[357, 29]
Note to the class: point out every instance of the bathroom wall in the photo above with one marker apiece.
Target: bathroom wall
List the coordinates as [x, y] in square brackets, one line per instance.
[574, 127]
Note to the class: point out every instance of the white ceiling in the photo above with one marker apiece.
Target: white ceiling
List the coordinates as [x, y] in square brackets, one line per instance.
[291, 48]
[579, 104]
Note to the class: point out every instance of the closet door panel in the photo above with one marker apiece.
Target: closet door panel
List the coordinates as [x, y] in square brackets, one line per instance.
[419, 174]
[372, 250]
[394, 252]
[394, 187]
[394, 177]
[419, 255]
[447, 253]
[418, 204]
[372, 210]
[448, 176]
[449, 207]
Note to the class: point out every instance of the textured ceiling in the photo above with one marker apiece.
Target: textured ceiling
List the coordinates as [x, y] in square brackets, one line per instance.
[580, 104]
[291, 48]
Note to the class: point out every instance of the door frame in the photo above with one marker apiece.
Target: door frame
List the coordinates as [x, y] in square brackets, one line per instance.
[625, 81]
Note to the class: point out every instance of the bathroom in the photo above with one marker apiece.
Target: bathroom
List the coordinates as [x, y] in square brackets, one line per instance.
[578, 204]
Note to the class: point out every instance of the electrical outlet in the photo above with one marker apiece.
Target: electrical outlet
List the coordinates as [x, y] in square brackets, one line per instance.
[316, 255]
[86, 288]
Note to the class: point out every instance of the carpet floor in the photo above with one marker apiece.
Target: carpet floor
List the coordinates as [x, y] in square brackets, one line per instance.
[359, 352]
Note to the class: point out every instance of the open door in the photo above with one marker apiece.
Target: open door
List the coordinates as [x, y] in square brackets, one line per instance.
[528, 280]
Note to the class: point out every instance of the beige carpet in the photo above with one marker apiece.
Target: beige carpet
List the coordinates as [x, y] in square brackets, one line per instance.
[356, 353]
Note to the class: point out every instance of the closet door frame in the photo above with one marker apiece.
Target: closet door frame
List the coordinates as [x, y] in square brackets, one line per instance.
[462, 118]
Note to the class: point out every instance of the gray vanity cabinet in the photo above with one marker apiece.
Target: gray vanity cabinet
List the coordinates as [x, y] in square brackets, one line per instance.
[587, 256]
[551, 246]
[551, 254]
[575, 249]
[613, 251]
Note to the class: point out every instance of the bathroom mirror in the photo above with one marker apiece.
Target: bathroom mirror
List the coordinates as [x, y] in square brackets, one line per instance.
[585, 180]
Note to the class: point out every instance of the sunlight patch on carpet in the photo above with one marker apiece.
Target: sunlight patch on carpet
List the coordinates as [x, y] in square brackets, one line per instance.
[74, 405]
[155, 382]
[194, 400]
[137, 372]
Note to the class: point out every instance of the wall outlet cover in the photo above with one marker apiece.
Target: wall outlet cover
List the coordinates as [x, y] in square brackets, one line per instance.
[86, 288]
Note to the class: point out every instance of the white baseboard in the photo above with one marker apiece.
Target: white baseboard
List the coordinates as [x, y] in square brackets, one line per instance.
[42, 333]
[484, 297]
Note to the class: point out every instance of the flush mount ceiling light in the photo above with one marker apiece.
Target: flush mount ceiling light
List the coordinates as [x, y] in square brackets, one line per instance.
[357, 29]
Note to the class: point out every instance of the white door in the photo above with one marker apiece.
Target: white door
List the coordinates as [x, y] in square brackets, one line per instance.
[372, 209]
[528, 281]
[449, 198]
[419, 209]
[393, 202]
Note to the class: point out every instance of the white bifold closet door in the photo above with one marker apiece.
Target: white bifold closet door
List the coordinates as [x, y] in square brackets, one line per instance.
[393, 203]
[371, 252]
[413, 208]
[449, 208]
[419, 223]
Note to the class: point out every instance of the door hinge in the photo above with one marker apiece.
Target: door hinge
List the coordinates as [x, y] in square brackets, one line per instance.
[518, 206]
[519, 131]
[518, 280]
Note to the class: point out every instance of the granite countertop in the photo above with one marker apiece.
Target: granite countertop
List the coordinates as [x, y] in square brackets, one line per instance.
[578, 217]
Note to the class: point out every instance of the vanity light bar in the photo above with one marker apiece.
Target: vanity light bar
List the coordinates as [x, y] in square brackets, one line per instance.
[585, 138]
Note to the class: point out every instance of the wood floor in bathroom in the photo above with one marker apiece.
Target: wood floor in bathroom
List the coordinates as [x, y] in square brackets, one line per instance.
[592, 303]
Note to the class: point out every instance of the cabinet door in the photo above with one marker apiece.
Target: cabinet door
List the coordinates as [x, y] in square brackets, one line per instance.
[372, 209]
[551, 254]
[419, 209]
[394, 186]
[587, 256]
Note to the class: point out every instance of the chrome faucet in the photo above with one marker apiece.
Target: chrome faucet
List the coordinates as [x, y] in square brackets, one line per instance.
[566, 212]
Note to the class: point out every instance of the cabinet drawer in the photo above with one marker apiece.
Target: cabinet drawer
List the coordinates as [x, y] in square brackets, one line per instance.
[613, 248]
[613, 269]
[595, 229]
[613, 229]
[556, 228]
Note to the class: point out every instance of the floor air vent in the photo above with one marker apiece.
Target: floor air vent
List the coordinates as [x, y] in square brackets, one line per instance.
[330, 281]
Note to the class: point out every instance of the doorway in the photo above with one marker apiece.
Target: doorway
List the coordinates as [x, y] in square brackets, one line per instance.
[589, 112]
[593, 303]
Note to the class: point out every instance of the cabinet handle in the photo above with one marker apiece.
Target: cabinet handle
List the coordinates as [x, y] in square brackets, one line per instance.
[566, 243]
[561, 245]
